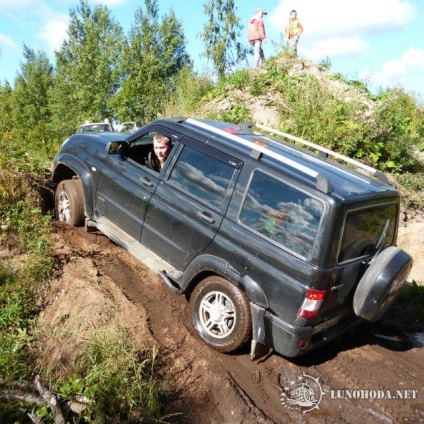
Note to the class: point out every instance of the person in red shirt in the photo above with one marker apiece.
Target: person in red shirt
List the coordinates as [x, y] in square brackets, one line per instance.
[293, 31]
[255, 35]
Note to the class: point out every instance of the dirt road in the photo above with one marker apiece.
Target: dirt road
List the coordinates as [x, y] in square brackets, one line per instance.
[347, 379]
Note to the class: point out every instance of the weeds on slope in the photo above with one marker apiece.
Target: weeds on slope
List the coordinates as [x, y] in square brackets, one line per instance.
[120, 382]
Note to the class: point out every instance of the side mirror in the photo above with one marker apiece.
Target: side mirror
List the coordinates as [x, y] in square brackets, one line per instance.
[116, 147]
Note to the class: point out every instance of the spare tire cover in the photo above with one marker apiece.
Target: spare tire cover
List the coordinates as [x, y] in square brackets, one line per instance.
[381, 283]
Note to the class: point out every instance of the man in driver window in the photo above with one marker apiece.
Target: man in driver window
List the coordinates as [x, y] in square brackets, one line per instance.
[162, 147]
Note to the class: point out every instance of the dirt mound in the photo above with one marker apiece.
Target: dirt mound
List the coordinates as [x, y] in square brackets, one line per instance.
[267, 107]
[80, 302]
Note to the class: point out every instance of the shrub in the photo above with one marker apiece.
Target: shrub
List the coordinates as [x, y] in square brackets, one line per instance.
[236, 113]
[121, 381]
[191, 87]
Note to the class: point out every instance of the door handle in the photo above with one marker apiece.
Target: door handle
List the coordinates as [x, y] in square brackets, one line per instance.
[205, 216]
[145, 181]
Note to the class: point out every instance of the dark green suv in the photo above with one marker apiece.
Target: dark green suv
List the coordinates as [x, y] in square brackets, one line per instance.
[271, 242]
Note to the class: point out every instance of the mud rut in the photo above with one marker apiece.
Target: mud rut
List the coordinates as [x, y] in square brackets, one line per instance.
[210, 387]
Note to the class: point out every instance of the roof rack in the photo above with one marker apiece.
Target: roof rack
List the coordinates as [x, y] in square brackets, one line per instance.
[378, 174]
[322, 182]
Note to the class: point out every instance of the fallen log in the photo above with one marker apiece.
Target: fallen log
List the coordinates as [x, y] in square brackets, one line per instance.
[50, 400]
[37, 395]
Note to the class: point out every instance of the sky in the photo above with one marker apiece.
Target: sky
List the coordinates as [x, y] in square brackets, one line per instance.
[380, 42]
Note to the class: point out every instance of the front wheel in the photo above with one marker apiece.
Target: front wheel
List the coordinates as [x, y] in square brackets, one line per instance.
[69, 202]
[221, 314]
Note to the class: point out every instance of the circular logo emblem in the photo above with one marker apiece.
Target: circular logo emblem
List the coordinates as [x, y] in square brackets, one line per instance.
[304, 394]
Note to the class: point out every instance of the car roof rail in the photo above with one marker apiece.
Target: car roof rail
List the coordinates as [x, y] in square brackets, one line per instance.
[324, 152]
[176, 119]
[322, 182]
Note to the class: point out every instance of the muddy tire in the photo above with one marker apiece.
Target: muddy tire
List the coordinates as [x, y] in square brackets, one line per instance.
[69, 202]
[381, 282]
[221, 314]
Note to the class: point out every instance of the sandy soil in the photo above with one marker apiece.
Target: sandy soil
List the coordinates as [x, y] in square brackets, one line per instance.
[99, 285]
[411, 239]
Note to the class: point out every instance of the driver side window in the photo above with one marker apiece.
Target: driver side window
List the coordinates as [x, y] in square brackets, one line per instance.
[151, 150]
[139, 149]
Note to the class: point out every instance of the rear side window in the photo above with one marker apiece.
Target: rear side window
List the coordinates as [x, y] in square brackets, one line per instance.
[366, 230]
[202, 176]
[281, 213]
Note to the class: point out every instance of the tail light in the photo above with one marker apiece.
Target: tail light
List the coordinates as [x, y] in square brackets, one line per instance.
[311, 304]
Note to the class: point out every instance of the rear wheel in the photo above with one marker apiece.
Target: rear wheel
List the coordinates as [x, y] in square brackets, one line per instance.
[381, 282]
[69, 202]
[221, 314]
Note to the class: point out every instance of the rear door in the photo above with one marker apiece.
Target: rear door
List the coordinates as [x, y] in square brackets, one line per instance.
[187, 208]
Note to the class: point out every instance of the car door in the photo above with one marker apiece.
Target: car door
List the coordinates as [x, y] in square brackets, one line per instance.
[126, 184]
[187, 208]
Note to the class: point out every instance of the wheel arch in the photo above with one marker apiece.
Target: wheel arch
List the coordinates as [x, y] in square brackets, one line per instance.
[68, 167]
[206, 265]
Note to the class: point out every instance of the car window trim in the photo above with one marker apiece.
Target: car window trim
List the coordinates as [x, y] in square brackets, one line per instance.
[213, 152]
[175, 136]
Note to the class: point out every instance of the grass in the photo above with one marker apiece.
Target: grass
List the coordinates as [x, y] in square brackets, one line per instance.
[412, 295]
[411, 187]
[25, 242]
[19, 291]
[123, 382]
[26, 264]
[16, 324]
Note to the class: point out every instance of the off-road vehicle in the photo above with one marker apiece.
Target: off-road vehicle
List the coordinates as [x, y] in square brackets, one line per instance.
[271, 242]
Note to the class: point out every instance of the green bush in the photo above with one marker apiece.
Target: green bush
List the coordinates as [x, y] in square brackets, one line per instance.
[121, 382]
[239, 79]
[413, 296]
[190, 89]
[236, 114]
[325, 64]
[411, 188]
[25, 231]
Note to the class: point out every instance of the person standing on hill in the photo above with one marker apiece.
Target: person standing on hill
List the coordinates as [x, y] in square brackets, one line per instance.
[255, 35]
[293, 31]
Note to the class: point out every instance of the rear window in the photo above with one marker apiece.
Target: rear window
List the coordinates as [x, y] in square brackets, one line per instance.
[366, 230]
[281, 213]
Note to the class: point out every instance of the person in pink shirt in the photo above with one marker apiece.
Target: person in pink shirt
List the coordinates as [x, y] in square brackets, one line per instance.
[255, 35]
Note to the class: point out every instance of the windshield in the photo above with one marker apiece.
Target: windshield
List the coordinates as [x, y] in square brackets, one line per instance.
[367, 230]
[96, 128]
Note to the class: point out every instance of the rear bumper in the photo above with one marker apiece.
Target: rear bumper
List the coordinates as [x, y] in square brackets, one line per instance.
[292, 341]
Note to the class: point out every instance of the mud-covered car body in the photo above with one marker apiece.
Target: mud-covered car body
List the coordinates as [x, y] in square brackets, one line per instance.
[305, 242]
